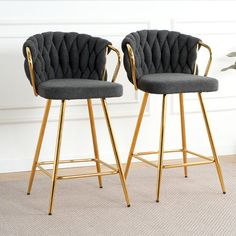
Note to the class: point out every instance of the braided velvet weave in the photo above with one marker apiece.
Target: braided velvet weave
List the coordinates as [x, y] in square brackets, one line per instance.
[66, 55]
[161, 57]
[71, 57]
[160, 51]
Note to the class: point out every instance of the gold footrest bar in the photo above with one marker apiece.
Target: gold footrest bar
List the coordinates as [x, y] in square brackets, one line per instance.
[67, 161]
[87, 175]
[151, 163]
[114, 170]
[156, 152]
[199, 155]
[188, 164]
[77, 161]
[174, 165]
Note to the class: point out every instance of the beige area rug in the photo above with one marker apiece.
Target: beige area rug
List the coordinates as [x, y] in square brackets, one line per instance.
[192, 206]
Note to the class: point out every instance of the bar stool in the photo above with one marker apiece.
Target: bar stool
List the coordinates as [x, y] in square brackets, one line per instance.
[164, 62]
[68, 66]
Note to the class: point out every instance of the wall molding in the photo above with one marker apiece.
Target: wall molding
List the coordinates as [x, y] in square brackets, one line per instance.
[66, 22]
[73, 112]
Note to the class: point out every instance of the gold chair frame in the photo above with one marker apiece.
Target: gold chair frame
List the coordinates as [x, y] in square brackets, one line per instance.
[54, 176]
[160, 166]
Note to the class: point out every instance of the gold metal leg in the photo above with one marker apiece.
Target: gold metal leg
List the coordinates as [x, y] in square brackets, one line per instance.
[57, 153]
[121, 174]
[216, 160]
[183, 132]
[94, 136]
[136, 132]
[39, 144]
[161, 145]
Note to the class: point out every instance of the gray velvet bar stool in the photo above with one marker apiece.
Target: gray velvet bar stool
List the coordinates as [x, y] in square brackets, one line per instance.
[164, 62]
[68, 66]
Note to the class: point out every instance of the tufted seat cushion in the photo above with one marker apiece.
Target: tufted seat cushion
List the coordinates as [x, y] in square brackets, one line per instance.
[64, 89]
[168, 83]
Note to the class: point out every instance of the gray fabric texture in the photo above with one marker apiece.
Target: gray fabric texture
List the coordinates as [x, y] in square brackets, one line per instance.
[58, 55]
[168, 83]
[160, 51]
[78, 89]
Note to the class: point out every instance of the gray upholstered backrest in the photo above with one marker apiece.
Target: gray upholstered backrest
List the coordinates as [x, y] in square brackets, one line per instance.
[160, 51]
[66, 55]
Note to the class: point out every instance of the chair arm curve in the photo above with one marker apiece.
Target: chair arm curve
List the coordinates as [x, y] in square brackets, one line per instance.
[201, 44]
[115, 73]
[31, 70]
[132, 64]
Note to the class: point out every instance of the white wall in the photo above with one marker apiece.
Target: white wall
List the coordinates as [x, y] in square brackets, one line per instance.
[20, 112]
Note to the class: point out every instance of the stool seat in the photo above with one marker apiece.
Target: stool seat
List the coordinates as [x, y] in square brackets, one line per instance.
[64, 89]
[169, 83]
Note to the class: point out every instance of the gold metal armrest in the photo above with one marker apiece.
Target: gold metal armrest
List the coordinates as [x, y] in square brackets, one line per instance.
[118, 62]
[132, 64]
[31, 70]
[210, 56]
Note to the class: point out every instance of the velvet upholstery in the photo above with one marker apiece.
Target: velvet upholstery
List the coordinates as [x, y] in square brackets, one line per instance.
[168, 83]
[160, 51]
[67, 56]
[165, 62]
[79, 89]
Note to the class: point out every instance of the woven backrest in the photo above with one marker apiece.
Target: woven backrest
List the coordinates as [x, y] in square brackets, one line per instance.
[160, 51]
[66, 55]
